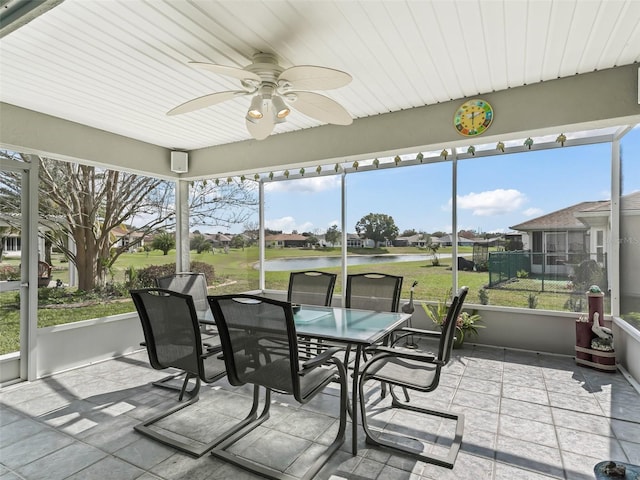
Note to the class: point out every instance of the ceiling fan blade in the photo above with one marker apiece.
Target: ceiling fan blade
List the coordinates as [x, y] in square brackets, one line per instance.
[206, 101]
[311, 77]
[239, 73]
[321, 108]
[263, 128]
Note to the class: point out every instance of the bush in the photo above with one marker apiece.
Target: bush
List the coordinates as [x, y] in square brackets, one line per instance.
[483, 296]
[8, 272]
[589, 273]
[522, 274]
[146, 277]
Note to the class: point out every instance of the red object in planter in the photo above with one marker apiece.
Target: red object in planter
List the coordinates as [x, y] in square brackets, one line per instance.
[583, 339]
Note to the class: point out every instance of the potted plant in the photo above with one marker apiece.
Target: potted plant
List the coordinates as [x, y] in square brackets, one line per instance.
[466, 323]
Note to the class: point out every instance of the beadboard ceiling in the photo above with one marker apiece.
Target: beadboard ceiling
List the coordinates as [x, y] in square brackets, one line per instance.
[120, 65]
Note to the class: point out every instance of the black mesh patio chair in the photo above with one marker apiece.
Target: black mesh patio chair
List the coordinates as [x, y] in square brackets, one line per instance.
[413, 370]
[373, 291]
[260, 347]
[172, 336]
[194, 284]
[311, 288]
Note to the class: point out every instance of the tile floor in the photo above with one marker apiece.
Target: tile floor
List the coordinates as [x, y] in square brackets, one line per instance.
[528, 416]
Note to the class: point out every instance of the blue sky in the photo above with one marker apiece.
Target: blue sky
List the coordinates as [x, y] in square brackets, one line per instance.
[494, 192]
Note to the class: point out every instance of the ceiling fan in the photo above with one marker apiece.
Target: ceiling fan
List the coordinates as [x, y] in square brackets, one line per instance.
[275, 90]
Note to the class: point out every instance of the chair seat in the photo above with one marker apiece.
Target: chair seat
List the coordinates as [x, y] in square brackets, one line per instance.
[403, 372]
[214, 367]
[275, 377]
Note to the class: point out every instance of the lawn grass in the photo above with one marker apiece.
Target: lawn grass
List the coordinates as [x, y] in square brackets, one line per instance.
[235, 272]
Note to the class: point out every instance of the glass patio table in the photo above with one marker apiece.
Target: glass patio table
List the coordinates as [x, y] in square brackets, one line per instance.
[348, 326]
[352, 327]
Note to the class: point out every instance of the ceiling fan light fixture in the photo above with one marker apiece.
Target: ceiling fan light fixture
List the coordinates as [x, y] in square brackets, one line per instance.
[280, 108]
[255, 110]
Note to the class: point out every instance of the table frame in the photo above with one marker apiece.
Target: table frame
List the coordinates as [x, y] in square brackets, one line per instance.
[351, 341]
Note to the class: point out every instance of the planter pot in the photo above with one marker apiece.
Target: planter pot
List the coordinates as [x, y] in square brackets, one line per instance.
[604, 357]
[458, 342]
[583, 339]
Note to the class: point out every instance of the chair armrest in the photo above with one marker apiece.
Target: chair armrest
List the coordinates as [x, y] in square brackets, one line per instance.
[407, 354]
[211, 350]
[319, 359]
[418, 331]
[404, 332]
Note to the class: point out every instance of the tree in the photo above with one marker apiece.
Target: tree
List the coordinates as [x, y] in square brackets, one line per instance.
[200, 243]
[377, 227]
[164, 241]
[332, 235]
[251, 232]
[86, 203]
[237, 241]
[433, 248]
[409, 233]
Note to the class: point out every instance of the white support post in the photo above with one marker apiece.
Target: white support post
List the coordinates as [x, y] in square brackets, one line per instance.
[261, 246]
[613, 273]
[29, 302]
[183, 256]
[343, 215]
[454, 221]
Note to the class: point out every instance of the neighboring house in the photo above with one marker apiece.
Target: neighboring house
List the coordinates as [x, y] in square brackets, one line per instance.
[125, 237]
[284, 240]
[219, 240]
[447, 241]
[562, 239]
[417, 240]
[354, 241]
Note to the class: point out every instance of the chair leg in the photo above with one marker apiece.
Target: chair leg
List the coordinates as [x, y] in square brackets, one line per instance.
[444, 461]
[163, 383]
[196, 451]
[220, 450]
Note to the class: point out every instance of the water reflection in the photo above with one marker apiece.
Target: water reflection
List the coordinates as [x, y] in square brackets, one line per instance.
[312, 263]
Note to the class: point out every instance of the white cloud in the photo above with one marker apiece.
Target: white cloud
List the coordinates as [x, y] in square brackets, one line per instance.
[494, 202]
[533, 212]
[337, 223]
[288, 225]
[308, 185]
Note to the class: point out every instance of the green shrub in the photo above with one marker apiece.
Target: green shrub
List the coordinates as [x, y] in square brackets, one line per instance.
[532, 300]
[8, 272]
[146, 277]
[589, 273]
[522, 274]
[483, 296]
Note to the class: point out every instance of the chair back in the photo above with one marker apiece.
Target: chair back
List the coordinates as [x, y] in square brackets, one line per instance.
[194, 284]
[311, 287]
[373, 291]
[171, 330]
[449, 326]
[259, 342]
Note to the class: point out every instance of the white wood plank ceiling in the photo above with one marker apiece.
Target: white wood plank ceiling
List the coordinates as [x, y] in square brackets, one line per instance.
[120, 65]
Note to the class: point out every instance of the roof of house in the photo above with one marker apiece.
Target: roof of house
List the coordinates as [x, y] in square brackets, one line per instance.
[567, 218]
[284, 237]
[564, 218]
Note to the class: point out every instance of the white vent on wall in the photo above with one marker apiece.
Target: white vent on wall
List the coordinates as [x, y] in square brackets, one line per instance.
[179, 162]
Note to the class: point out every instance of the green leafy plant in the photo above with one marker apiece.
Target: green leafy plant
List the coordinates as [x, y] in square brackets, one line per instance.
[483, 296]
[466, 323]
[522, 274]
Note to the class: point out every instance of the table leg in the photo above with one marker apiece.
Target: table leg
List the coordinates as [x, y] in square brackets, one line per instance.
[354, 404]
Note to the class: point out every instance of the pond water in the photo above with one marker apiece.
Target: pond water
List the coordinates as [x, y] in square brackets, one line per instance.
[312, 263]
